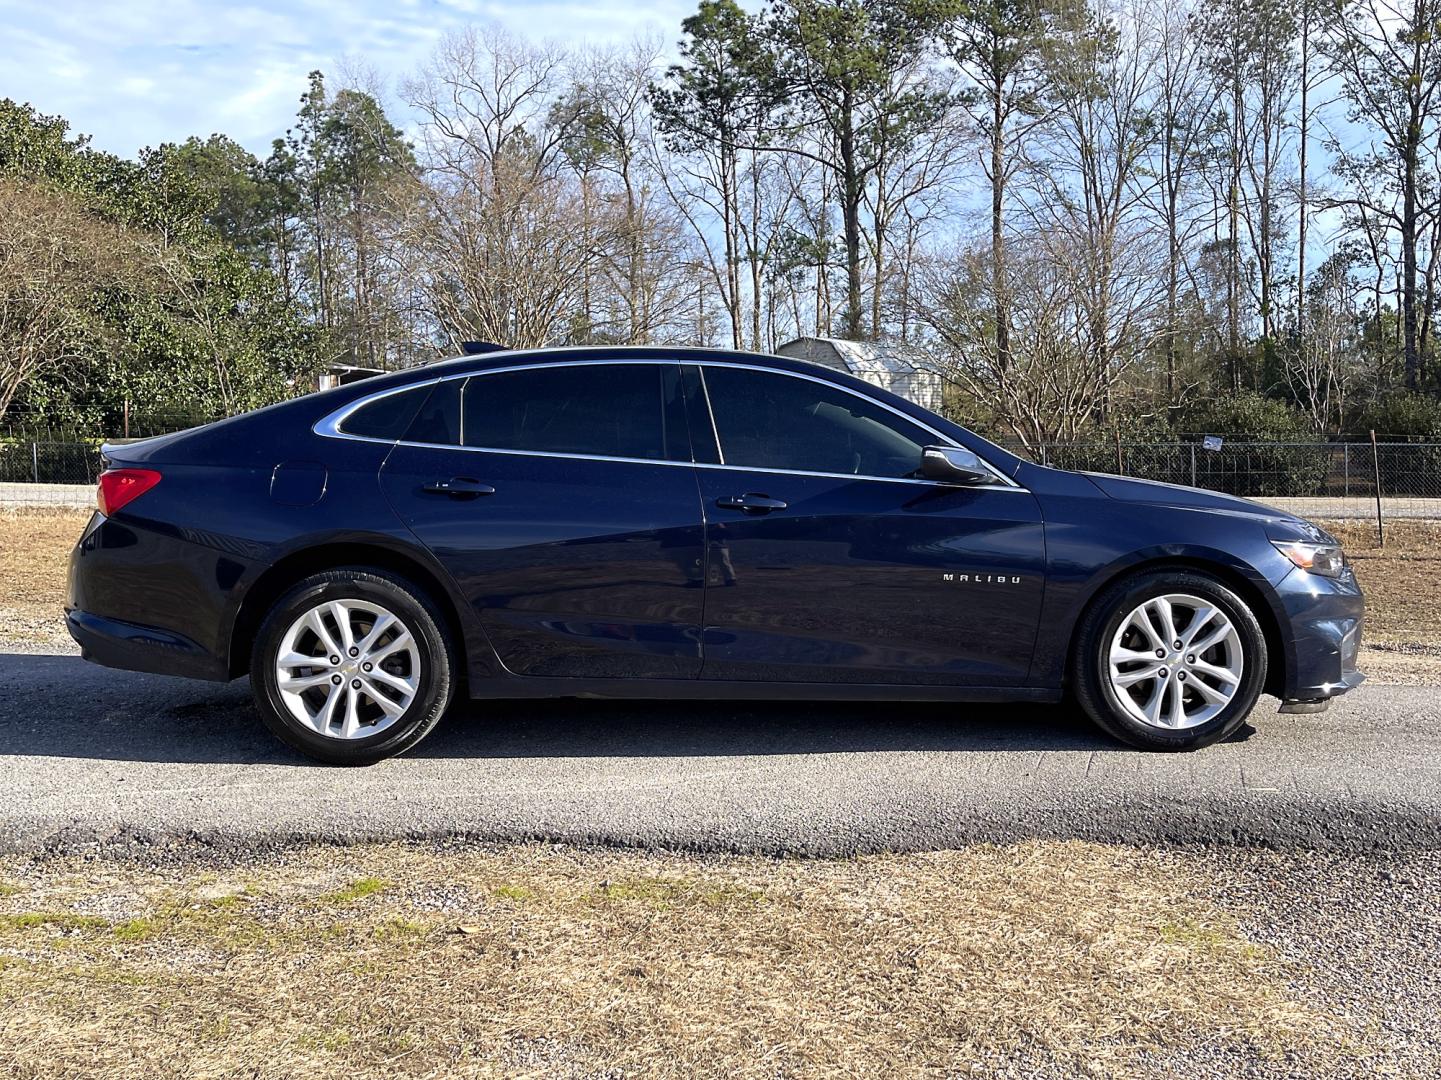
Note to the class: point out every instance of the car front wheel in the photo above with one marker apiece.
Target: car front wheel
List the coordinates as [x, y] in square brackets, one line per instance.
[352, 665]
[1170, 660]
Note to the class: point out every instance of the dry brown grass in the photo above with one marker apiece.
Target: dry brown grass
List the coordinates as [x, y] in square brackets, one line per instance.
[550, 961]
[34, 551]
[1400, 579]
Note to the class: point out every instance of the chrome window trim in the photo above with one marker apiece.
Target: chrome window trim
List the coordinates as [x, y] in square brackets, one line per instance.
[329, 426]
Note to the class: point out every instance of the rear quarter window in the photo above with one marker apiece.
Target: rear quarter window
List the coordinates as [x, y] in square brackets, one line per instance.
[388, 417]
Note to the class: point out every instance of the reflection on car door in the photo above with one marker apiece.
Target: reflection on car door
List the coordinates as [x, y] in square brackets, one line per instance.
[825, 562]
[578, 547]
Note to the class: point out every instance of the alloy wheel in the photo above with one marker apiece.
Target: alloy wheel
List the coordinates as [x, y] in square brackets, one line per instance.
[348, 669]
[1175, 661]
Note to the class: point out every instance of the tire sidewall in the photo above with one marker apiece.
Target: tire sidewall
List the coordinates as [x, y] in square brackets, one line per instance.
[1106, 619]
[396, 595]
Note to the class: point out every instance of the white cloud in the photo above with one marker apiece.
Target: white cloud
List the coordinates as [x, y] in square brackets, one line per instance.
[142, 72]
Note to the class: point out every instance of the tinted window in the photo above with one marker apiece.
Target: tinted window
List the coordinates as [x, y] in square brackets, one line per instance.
[769, 421]
[609, 410]
[438, 421]
[387, 417]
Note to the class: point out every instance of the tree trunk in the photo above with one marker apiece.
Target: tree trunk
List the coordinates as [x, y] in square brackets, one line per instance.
[851, 214]
[998, 238]
[1301, 215]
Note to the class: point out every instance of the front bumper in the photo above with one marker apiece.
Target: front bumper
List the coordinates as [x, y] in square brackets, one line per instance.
[117, 644]
[1325, 618]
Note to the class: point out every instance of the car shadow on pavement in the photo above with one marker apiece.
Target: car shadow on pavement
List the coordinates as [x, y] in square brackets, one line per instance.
[61, 706]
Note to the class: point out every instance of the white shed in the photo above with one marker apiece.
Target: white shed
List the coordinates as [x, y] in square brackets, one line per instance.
[902, 369]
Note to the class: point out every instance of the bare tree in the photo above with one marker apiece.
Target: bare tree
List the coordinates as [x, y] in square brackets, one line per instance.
[1002, 47]
[1090, 193]
[1387, 56]
[1184, 97]
[1324, 367]
[1050, 388]
[495, 229]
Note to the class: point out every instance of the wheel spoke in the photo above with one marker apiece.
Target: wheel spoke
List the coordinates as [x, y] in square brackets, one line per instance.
[1176, 691]
[1162, 607]
[315, 621]
[390, 707]
[402, 641]
[1214, 638]
[325, 717]
[382, 624]
[397, 682]
[1198, 623]
[1142, 622]
[1152, 708]
[351, 728]
[1209, 692]
[296, 660]
[1130, 678]
[1203, 667]
[341, 614]
[298, 683]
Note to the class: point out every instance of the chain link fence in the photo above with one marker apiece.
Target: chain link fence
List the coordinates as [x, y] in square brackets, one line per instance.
[1340, 479]
[46, 465]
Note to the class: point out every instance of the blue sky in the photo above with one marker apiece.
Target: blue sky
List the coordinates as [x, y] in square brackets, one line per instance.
[133, 73]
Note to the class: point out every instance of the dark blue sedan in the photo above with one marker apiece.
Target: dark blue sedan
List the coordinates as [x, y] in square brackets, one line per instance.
[675, 523]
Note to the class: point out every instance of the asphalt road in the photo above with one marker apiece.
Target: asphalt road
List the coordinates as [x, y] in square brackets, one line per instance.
[91, 757]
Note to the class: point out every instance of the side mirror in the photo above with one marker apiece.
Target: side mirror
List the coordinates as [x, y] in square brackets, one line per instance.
[953, 465]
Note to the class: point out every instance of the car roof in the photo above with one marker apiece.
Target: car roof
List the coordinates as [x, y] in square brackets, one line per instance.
[562, 354]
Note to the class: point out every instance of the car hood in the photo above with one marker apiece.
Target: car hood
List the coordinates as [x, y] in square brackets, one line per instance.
[1129, 489]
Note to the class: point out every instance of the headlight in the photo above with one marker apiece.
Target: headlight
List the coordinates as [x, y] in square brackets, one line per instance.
[1323, 559]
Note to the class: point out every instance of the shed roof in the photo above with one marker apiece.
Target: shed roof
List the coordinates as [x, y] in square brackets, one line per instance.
[858, 356]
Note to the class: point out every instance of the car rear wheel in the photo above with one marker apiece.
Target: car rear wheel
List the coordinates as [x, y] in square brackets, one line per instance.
[1170, 660]
[352, 665]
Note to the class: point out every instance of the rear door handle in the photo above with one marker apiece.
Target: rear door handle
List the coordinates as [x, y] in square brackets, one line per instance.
[458, 487]
[750, 503]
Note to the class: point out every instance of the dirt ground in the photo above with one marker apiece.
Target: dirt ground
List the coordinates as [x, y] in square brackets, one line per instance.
[1050, 959]
[1403, 623]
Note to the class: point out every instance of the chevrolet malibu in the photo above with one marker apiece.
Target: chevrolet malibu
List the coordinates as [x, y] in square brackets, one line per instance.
[682, 524]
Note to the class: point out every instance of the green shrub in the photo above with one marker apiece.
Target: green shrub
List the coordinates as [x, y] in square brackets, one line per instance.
[1402, 413]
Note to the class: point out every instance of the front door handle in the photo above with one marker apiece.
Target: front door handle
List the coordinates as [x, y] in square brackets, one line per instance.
[750, 503]
[458, 487]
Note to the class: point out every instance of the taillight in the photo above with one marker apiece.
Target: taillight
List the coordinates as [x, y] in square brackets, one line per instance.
[120, 486]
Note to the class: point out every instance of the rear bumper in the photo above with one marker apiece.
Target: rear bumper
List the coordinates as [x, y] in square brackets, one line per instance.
[117, 644]
[145, 599]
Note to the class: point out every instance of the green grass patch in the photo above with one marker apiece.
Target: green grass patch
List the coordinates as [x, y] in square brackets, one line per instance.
[357, 890]
[399, 929]
[135, 930]
[518, 893]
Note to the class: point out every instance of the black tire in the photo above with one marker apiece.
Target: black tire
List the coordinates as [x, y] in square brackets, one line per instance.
[439, 664]
[1090, 663]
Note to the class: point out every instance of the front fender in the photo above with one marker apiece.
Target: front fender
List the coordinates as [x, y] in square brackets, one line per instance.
[1088, 547]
